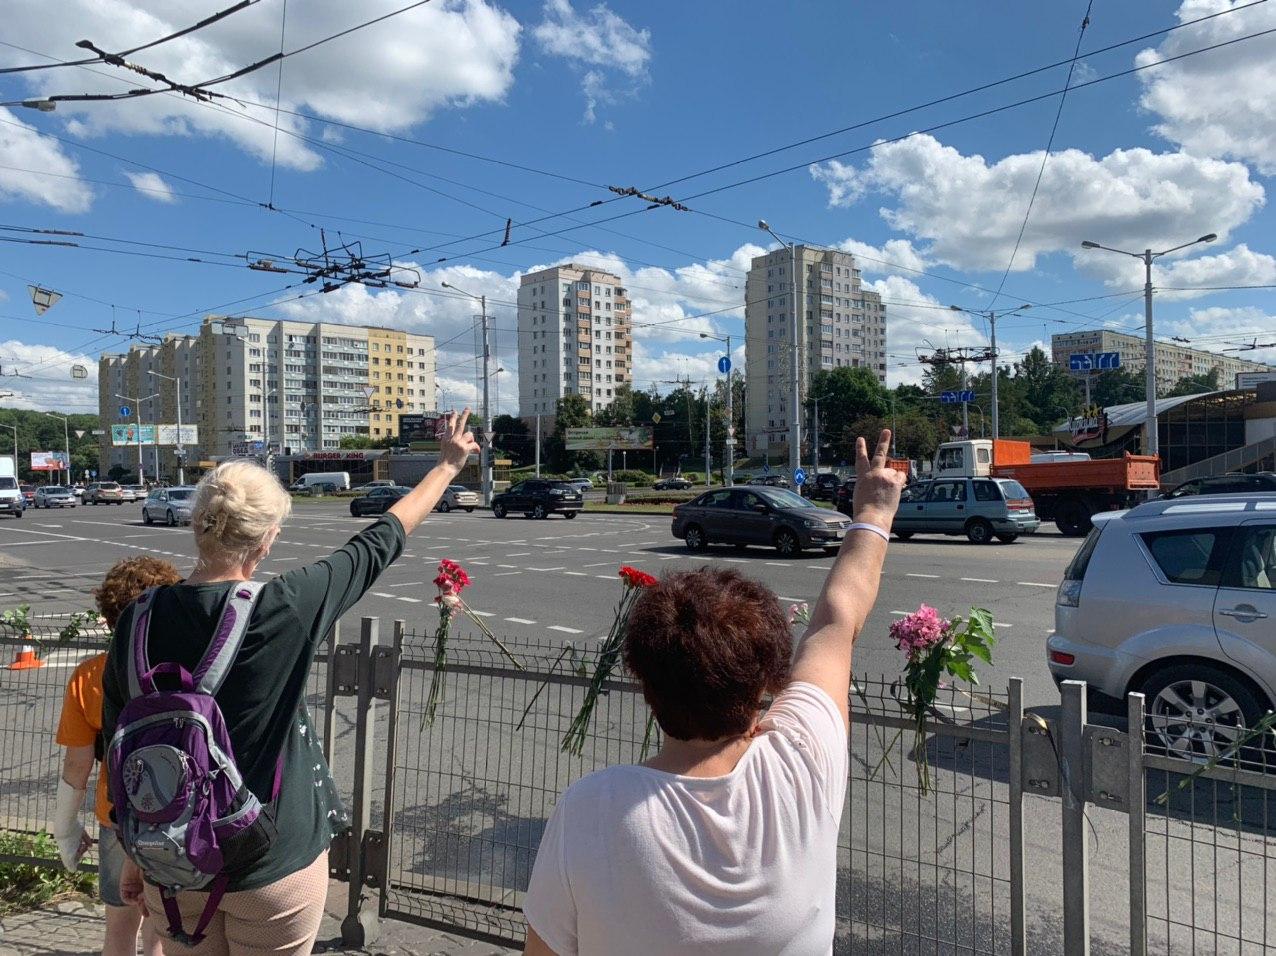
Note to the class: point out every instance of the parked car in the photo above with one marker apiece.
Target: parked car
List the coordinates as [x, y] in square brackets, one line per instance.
[823, 487]
[327, 481]
[133, 492]
[103, 492]
[78, 490]
[54, 496]
[456, 497]
[1176, 600]
[1233, 484]
[28, 493]
[173, 506]
[844, 497]
[583, 483]
[771, 481]
[377, 501]
[378, 483]
[979, 508]
[674, 483]
[540, 498]
[765, 516]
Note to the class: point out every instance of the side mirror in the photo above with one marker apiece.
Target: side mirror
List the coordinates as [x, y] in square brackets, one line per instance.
[761, 509]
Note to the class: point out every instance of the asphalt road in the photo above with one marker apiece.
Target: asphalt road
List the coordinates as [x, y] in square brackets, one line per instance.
[554, 580]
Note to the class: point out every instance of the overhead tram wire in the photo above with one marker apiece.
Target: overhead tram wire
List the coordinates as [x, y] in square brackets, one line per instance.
[279, 89]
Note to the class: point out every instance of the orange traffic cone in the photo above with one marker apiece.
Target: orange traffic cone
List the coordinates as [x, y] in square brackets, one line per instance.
[26, 660]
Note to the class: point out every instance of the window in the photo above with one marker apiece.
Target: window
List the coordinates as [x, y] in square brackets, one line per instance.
[1254, 562]
[948, 491]
[987, 491]
[1185, 557]
[950, 458]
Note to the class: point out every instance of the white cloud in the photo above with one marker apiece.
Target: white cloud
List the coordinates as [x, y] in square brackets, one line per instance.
[50, 386]
[970, 210]
[1238, 266]
[918, 322]
[600, 44]
[391, 76]
[1216, 328]
[27, 152]
[1217, 104]
[891, 255]
[152, 186]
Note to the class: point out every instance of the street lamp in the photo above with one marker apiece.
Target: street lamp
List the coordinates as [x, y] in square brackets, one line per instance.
[992, 318]
[1151, 439]
[485, 453]
[137, 404]
[66, 438]
[795, 393]
[181, 448]
[730, 442]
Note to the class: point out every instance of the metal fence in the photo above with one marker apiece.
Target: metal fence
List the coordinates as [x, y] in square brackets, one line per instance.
[1036, 834]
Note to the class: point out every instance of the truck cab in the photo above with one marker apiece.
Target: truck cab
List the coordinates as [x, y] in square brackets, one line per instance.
[11, 500]
[975, 457]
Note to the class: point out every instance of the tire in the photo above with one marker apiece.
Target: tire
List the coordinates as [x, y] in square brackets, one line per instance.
[498, 509]
[902, 535]
[787, 543]
[1007, 538]
[1208, 692]
[1073, 519]
[354, 512]
[146, 518]
[741, 547]
[444, 507]
[170, 519]
[469, 511]
[978, 531]
[695, 538]
[570, 514]
[540, 513]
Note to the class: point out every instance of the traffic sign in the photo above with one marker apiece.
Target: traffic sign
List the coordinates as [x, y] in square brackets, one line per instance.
[724, 365]
[125, 411]
[956, 398]
[655, 418]
[799, 476]
[1093, 361]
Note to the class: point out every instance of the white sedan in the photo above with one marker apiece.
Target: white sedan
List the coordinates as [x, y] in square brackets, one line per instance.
[457, 497]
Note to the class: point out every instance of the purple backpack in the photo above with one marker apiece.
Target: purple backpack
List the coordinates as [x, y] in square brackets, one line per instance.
[181, 808]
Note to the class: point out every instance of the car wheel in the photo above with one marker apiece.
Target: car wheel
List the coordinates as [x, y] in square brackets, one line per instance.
[742, 547]
[444, 507]
[539, 513]
[978, 531]
[569, 514]
[170, 519]
[786, 542]
[146, 517]
[354, 512]
[695, 538]
[1200, 713]
[1007, 538]
[1073, 519]
[469, 511]
[498, 509]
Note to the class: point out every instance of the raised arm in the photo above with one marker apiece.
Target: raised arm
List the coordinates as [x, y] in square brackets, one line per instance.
[824, 652]
[455, 448]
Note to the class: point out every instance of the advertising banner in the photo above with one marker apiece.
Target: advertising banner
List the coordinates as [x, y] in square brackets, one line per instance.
[626, 437]
[49, 461]
[168, 435]
[128, 434]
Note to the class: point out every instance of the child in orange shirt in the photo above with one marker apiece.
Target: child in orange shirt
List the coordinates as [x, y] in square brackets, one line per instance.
[78, 731]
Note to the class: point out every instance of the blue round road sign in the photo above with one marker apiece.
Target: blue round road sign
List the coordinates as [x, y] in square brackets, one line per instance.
[799, 477]
[125, 411]
[724, 365]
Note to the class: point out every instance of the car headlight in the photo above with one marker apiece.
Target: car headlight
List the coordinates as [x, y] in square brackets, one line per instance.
[814, 523]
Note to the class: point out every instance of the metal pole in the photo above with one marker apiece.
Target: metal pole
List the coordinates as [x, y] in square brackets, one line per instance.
[815, 442]
[1075, 843]
[1151, 439]
[1137, 806]
[181, 448]
[485, 452]
[795, 396]
[730, 456]
[361, 925]
[538, 445]
[965, 411]
[141, 466]
[1014, 767]
[1087, 390]
[996, 416]
[708, 464]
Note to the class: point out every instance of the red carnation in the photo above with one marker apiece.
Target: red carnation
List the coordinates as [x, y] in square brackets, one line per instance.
[634, 578]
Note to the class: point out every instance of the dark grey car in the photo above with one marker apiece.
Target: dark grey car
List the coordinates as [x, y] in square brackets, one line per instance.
[757, 515]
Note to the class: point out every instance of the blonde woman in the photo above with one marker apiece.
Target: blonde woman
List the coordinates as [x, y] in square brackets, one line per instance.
[276, 906]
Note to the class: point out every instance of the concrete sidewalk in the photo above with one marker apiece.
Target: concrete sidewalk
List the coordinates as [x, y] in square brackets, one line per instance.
[75, 929]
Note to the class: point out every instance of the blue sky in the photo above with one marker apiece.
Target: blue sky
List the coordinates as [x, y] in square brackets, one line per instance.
[636, 95]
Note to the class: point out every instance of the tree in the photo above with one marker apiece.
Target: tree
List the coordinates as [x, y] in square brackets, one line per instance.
[1048, 392]
[1195, 384]
[1118, 386]
[40, 432]
[571, 411]
[355, 442]
[512, 436]
[846, 395]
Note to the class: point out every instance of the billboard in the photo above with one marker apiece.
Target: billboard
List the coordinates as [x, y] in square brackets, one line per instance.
[129, 434]
[627, 437]
[49, 461]
[419, 427]
[168, 435]
[154, 434]
[1251, 379]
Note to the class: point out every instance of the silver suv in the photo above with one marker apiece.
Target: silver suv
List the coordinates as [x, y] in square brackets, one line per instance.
[1176, 598]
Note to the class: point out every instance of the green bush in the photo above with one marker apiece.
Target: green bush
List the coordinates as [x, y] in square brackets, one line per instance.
[633, 477]
[28, 886]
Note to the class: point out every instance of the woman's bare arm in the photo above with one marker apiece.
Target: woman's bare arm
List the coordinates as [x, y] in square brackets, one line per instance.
[455, 448]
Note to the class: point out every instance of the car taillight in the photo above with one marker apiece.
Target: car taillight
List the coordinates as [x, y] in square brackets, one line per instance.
[1069, 594]
[1060, 657]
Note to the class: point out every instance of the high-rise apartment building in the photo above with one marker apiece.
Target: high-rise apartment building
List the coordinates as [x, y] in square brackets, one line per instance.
[574, 338]
[302, 386]
[840, 323]
[1173, 362]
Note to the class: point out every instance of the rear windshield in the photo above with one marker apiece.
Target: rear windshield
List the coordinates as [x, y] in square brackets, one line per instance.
[565, 485]
[179, 494]
[109, 486]
[1081, 560]
[1012, 489]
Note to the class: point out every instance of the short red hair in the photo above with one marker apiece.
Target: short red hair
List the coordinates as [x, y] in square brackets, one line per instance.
[126, 581]
[707, 646]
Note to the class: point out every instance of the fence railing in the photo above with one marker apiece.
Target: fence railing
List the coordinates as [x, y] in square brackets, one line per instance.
[995, 856]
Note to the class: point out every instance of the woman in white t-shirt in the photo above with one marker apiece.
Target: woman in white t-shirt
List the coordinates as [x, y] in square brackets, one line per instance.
[726, 841]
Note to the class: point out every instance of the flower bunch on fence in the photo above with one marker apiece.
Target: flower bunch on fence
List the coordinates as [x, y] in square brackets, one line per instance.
[451, 580]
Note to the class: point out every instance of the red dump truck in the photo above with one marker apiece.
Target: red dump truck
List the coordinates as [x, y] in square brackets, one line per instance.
[1065, 492]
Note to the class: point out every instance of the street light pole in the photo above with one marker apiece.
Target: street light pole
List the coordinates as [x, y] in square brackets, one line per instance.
[729, 468]
[137, 404]
[485, 450]
[795, 393]
[66, 438]
[1151, 440]
[181, 448]
[992, 317]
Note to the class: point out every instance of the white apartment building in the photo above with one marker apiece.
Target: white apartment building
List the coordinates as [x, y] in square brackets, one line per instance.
[300, 386]
[839, 324]
[574, 338]
[1173, 362]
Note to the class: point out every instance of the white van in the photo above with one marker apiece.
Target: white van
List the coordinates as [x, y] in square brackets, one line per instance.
[328, 481]
[11, 500]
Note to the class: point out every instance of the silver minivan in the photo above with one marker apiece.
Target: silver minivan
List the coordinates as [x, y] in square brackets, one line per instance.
[979, 508]
[1177, 599]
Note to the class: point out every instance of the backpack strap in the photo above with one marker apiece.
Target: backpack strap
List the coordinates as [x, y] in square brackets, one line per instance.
[216, 890]
[139, 664]
[229, 635]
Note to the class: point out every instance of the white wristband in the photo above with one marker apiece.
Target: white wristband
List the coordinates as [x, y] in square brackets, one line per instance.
[865, 526]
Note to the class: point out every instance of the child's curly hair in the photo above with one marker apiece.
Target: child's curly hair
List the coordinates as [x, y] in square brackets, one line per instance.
[126, 581]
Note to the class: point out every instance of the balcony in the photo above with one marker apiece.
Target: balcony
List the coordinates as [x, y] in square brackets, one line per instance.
[583, 354]
[585, 339]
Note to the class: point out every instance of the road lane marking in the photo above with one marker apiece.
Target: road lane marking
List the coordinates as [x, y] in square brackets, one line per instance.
[1036, 584]
[505, 574]
[482, 613]
[778, 564]
[577, 574]
[559, 568]
[606, 577]
[918, 574]
[407, 584]
[411, 600]
[794, 600]
[734, 560]
[519, 620]
[600, 564]
[981, 580]
[559, 627]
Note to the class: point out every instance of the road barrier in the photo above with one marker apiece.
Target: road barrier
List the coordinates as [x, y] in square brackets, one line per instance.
[996, 856]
